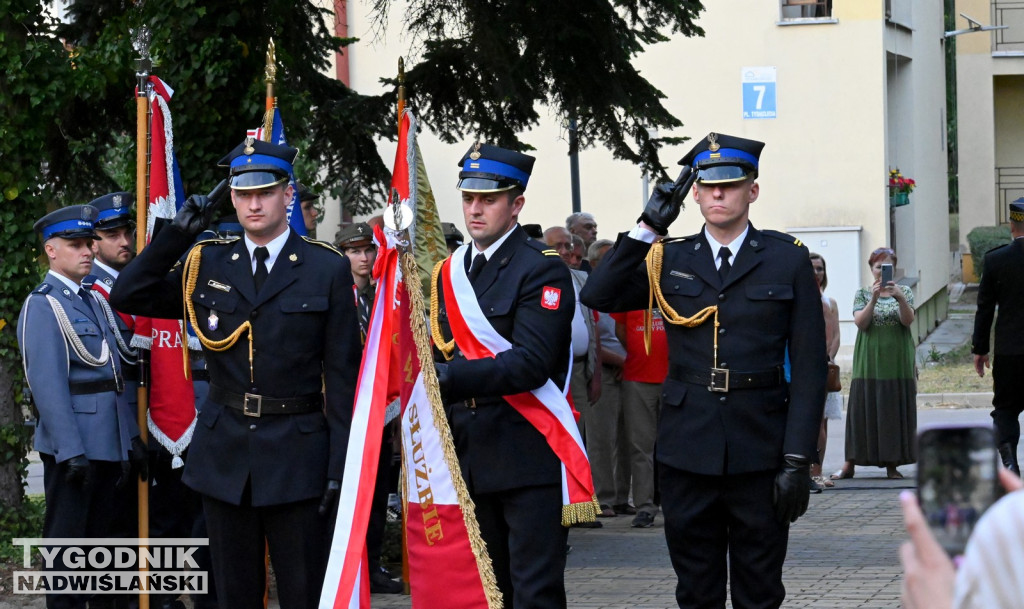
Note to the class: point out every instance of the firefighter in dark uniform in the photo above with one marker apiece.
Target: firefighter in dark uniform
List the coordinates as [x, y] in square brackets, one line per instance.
[511, 472]
[277, 321]
[1002, 284]
[735, 441]
[85, 428]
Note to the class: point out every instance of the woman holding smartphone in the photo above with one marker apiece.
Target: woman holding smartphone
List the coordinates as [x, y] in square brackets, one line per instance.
[881, 416]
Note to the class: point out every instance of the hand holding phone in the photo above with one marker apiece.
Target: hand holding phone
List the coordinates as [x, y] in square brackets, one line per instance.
[956, 480]
[886, 275]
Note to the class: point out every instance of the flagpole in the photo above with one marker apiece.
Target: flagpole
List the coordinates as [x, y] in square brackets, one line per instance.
[270, 77]
[142, 152]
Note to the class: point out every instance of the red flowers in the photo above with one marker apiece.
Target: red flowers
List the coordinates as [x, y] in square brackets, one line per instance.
[900, 184]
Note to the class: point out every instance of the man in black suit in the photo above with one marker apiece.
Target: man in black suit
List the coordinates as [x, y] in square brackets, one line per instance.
[525, 293]
[277, 320]
[735, 441]
[1002, 284]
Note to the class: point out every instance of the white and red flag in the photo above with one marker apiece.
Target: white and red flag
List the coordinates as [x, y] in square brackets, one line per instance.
[172, 412]
[448, 564]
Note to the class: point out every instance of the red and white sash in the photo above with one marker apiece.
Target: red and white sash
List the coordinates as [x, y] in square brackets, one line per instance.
[546, 407]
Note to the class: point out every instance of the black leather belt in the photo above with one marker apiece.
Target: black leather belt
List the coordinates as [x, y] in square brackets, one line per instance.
[130, 372]
[478, 402]
[723, 379]
[90, 387]
[255, 405]
[201, 374]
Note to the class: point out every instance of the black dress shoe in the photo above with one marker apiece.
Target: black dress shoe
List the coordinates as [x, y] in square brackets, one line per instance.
[588, 525]
[380, 583]
[643, 520]
[624, 508]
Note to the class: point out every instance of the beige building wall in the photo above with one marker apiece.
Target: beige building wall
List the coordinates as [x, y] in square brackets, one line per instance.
[846, 115]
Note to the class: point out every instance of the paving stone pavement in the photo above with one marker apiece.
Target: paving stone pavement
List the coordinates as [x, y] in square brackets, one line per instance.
[842, 554]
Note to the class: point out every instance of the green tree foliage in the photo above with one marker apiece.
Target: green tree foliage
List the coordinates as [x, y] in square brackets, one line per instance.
[477, 69]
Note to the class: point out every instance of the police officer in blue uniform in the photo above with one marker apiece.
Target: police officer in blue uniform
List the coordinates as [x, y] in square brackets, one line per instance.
[277, 320]
[1002, 284]
[734, 440]
[512, 473]
[85, 427]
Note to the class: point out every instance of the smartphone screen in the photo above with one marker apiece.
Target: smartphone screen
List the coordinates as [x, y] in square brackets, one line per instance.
[886, 274]
[956, 481]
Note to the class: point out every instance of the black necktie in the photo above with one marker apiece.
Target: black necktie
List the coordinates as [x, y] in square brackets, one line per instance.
[260, 276]
[87, 299]
[723, 270]
[478, 265]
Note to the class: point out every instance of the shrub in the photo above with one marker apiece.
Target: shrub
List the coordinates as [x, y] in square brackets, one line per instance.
[983, 238]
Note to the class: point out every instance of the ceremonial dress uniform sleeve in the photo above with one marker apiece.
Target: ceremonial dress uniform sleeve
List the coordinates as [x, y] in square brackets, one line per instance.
[540, 336]
[620, 282]
[151, 283]
[45, 354]
[988, 295]
[808, 359]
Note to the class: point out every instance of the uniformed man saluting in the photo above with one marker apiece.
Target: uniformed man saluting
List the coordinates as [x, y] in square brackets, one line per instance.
[734, 439]
[85, 426]
[515, 295]
[277, 321]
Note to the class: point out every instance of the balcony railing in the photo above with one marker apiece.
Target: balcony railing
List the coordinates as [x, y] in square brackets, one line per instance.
[1009, 187]
[1011, 13]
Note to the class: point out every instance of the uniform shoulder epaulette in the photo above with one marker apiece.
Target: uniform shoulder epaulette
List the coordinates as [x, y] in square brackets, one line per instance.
[781, 236]
[679, 239]
[218, 240]
[999, 247]
[323, 244]
[541, 247]
[88, 280]
[43, 288]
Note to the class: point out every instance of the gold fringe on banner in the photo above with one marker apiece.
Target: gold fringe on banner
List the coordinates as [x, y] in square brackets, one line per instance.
[410, 271]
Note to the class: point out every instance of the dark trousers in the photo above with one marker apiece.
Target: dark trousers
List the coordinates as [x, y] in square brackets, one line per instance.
[710, 518]
[77, 510]
[1008, 397]
[383, 486]
[298, 539]
[526, 542]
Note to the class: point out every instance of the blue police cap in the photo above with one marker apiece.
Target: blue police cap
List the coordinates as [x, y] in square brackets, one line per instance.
[257, 164]
[1017, 210]
[721, 159]
[487, 168]
[114, 210]
[71, 222]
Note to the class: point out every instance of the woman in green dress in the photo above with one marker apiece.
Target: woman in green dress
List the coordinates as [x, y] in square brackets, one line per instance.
[881, 415]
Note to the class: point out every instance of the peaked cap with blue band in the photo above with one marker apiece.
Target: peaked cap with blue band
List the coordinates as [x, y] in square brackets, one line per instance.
[487, 168]
[1017, 210]
[721, 159]
[257, 164]
[114, 210]
[305, 194]
[71, 222]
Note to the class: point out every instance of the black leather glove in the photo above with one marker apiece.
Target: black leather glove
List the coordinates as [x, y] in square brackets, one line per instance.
[667, 199]
[77, 471]
[329, 497]
[792, 488]
[197, 212]
[444, 380]
[139, 457]
[125, 476]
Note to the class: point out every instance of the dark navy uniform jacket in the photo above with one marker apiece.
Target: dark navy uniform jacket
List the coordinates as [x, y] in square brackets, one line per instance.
[1002, 283]
[305, 340]
[768, 301]
[498, 448]
[99, 425]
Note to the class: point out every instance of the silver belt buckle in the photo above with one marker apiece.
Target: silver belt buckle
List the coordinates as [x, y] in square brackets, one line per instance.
[719, 380]
[247, 410]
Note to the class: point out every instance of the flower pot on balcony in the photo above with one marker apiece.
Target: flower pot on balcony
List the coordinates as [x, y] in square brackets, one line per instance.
[899, 199]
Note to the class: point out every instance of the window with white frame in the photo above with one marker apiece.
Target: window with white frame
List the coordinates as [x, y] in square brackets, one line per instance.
[805, 9]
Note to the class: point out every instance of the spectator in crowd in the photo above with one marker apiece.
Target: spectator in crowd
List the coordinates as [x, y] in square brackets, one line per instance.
[307, 203]
[560, 240]
[643, 373]
[607, 442]
[833, 399]
[881, 416]
[578, 254]
[583, 225]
